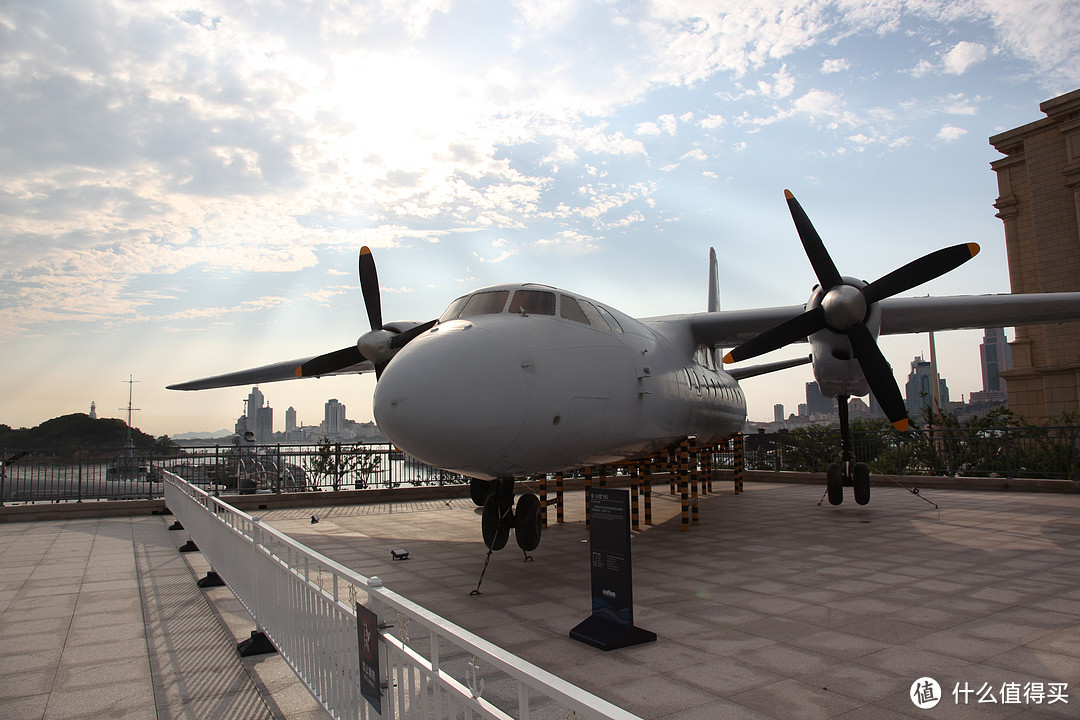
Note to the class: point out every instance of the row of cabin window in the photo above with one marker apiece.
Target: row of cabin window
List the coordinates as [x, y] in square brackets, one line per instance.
[531, 302]
[694, 382]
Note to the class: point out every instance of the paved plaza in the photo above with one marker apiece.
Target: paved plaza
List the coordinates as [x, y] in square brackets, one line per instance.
[772, 607]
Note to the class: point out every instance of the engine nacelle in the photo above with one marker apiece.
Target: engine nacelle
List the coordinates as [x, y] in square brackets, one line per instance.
[836, 370]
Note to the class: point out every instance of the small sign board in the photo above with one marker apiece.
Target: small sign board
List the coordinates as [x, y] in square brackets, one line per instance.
[367, 628]
[611, 624]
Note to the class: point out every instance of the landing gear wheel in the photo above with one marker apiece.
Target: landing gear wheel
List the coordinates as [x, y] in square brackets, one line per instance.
[862, 483]
[528, 522]
[479, 491]
[835, 483]
[496, 531]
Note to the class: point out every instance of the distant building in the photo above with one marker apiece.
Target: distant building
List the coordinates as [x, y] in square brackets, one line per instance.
[258, 417]
[93, 410]
[778, 412]
[816, 403]
[334, 417]
[290, 419]
[1039, 204]
[917, 391]
[995, 357]
[264, 424]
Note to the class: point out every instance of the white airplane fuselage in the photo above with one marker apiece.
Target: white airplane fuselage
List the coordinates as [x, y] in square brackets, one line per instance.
[514, 391]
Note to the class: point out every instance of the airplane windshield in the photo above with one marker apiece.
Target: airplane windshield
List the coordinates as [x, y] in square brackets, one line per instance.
[533, 302]
[485, 303]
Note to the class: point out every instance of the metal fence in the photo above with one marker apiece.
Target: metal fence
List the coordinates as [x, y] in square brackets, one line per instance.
[1037, 452]
[49, 476]
[305, 603]
[124, 474]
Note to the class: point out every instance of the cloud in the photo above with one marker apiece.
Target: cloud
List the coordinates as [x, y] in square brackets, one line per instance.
[834, 65]
[948, 133]
[962, 56]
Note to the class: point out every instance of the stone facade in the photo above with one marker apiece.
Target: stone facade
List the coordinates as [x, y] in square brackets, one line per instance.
[1039, 203]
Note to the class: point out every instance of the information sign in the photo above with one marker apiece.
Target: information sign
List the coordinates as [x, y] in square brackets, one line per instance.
[367, 627]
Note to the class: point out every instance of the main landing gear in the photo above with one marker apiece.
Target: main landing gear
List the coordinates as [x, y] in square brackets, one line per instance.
[497, 499]
[847, 472]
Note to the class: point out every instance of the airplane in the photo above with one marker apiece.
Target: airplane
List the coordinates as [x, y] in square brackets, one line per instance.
[523, 379]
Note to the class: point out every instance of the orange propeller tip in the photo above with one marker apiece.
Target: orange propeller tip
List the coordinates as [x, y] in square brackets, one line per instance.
[788, 195]
[727, 359]
[365, 250]
[901, 425]
[973, 248]
[299, 372]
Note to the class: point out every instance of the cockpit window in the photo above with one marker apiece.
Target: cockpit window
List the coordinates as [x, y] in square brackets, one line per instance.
[594, 316]
[572, 311]
[454, 309]
[533, 302]
[611, 321]
[485, 303]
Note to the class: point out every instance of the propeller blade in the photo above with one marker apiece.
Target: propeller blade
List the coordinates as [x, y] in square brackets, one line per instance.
[824, 268]
[917, 272]
[778, 336]
[879, 376]
[330, 362]
[402, 339]
[369, 286]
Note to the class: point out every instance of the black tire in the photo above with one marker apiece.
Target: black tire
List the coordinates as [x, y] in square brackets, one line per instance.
[496, 533]
[835, 483]
[479, 491]
[528, 522]
[862, 483]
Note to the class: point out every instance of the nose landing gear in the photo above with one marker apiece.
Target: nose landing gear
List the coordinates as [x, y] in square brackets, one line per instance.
[847, 472]
[499, 515]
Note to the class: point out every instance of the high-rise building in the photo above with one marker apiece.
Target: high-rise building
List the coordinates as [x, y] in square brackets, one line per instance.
[290, 419]
[917, 392]
[258, 417]
[995, 357]
[1039, 204]
[778, 412]
[334, 417]
[264, 424]
[816, 403]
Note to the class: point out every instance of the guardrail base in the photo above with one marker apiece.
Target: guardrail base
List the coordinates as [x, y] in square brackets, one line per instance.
[257, 644]
[211, 580]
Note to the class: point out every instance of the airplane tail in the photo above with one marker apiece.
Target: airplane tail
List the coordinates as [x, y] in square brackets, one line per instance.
[714, 297]
[714, 283]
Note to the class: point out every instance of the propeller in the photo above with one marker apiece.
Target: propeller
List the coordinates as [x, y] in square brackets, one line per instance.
[379, 344]
[844, 308]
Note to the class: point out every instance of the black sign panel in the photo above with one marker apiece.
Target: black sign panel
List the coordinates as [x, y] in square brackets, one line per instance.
[612, 575]
[367, 627]
[611, 624]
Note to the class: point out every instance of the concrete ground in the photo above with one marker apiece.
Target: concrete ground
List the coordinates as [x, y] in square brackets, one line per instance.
[772, 607]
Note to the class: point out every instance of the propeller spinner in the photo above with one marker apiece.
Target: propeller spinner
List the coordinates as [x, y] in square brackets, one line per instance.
[844, 308]
[379, 344]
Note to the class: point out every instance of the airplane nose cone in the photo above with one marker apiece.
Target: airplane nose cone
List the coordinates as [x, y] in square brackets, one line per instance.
[454, 398]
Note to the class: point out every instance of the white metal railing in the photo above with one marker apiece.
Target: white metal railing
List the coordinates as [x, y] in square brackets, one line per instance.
[305, 603]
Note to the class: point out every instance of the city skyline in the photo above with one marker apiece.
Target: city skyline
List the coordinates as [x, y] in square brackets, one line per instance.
[184, 191]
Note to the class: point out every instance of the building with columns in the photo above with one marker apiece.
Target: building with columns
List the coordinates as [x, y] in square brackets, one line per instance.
[1039, 203]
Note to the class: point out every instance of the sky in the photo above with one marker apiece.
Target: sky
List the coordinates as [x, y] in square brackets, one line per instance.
[185, 186]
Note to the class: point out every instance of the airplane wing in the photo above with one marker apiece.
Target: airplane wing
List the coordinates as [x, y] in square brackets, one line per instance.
[272, 373]
[729, 328]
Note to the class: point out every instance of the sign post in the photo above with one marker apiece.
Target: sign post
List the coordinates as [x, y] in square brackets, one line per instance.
[367, 627]
[611, 624]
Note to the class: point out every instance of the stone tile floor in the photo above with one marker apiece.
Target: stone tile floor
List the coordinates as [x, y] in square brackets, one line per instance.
[772, 607]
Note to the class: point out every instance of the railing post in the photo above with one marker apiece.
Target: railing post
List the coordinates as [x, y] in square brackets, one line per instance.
[1008, 456]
